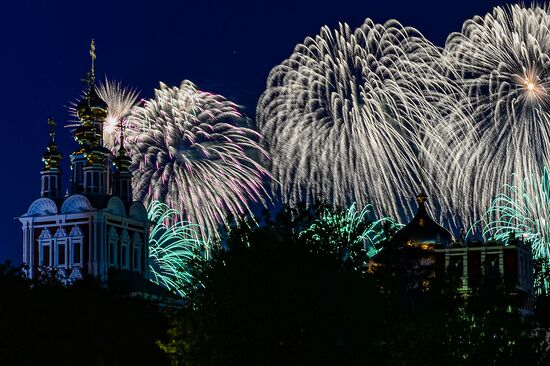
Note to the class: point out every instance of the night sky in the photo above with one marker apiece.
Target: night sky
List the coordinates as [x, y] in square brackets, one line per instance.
[224, 47]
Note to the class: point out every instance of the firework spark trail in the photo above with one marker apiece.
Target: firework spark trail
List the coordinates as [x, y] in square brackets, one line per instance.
[355, 227]
[504, 60]
[120, 100]
[347, 117]
[174, 246]
[522, 211]
[190, 151]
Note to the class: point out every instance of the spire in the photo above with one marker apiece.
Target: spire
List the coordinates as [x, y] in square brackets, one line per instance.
[91, 105]
[89, 77]
[51, 156]
[123, 176]
[122, 161]
[121, 149]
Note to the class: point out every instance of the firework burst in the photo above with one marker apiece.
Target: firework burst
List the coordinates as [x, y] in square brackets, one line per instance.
[120, 100]
[351, 228]
[174, 246]
[347, 117]
[504, 60]
[522, 211]
[191, 151]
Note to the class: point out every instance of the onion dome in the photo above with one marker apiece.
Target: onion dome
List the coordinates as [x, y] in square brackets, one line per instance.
[51, 157]
[423, 232]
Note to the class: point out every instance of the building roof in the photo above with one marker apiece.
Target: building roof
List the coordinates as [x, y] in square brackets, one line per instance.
[423, 231]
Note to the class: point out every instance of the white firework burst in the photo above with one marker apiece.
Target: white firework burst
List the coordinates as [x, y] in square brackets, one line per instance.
[120, 100]
[504, 60]
[191, 150]
[347, 118]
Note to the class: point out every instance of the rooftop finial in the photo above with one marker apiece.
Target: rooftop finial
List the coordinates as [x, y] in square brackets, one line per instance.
[421, 198]
[52, 124]
[121, 126]
[89, 77]
[122, 161]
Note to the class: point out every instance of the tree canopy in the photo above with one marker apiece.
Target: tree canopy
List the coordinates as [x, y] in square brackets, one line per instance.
[273, 296]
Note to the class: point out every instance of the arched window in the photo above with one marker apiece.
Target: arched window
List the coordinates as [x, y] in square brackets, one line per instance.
[45, 243]
[137, 243]
[124, 250]
[113, 247]
[79, 173]
[61, 242]
[76, 239]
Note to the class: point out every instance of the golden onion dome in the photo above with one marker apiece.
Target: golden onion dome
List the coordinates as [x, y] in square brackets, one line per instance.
[91, 106]
[51, 157]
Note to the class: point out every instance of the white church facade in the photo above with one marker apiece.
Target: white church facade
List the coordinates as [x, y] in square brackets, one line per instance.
[96, 227]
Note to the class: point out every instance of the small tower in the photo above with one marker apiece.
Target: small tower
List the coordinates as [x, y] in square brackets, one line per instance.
[51, 173]
[122, 182]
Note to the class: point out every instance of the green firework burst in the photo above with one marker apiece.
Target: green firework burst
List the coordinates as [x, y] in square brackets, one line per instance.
[174, 247]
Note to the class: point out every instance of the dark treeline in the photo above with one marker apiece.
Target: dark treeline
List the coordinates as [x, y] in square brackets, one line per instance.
[85, 324]
[273, 297]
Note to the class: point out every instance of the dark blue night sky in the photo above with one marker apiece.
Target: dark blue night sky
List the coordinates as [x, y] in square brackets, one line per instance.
[224, 47]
